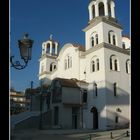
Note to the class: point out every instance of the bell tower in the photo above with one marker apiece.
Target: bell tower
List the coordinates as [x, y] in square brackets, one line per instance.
[103, 26]
[101, 8]
[50, 47]
[48, 63]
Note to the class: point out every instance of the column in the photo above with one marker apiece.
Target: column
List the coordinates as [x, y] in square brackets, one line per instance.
[96, 10]
[94, 39]
[112, 9]
[56, 46]
[106, 8]
[113, 68]
[90, 13]
[43, 49]
[50, 47]
[111, 38]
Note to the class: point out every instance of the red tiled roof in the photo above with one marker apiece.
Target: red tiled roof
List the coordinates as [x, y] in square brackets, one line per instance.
[80, 47]
[67, 82]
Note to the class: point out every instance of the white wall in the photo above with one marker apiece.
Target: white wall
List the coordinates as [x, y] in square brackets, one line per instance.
[122, 79]
[99, 102]
[117, 31]
[97, 75]
[99, 30]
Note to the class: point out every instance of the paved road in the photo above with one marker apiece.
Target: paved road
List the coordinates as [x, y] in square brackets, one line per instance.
[34, 134]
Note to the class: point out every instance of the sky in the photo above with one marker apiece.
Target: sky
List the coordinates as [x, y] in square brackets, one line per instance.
[64, 19]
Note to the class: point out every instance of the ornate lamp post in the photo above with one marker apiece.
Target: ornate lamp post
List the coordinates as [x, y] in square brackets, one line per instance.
[25, 47]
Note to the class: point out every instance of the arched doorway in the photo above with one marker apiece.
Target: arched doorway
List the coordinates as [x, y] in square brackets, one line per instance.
[95, 117]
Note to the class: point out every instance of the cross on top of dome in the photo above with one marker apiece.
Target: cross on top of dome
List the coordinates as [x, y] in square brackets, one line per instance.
[51, 36]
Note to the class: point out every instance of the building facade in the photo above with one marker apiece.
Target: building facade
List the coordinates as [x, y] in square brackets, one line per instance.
[101, 69]
[17, 102]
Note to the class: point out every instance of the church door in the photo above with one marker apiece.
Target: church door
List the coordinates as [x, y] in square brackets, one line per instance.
[95, 117]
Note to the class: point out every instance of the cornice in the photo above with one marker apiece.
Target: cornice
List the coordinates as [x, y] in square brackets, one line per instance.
[104, 19]
[48, 56]
[108, 46]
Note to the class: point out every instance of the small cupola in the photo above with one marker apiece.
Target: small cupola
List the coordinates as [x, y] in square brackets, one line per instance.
[50, 47]
[101, 8]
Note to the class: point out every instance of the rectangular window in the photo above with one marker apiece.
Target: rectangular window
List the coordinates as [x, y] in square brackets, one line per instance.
[115, 89]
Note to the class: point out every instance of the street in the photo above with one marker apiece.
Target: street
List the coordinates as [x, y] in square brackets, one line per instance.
[84, 134]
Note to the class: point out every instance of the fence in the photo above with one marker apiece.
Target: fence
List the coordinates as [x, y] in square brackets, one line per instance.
[107, 136]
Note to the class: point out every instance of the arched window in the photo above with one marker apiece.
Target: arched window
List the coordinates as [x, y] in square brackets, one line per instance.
[48, 48]
[116, 119]
[123, 45]
[95, 89]
[115, 65]
[96, 36]
[93, 66]
[68, 62]
[97, 61]
[92, 41]
[115, 89]
[54, 66]
[109, 37]
[114, 40]
[128, 66]
[111, 63]
[51, 67]
[101, 9]
[65, 64]
[53, 48]
[93, 11]
[109, 10]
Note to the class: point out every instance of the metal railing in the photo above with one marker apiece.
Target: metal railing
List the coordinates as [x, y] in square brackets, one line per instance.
[111, 135]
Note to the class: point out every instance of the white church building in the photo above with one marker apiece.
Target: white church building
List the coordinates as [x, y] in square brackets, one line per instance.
[90, 85]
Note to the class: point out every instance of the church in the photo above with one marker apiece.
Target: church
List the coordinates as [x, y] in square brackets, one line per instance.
[90, 85]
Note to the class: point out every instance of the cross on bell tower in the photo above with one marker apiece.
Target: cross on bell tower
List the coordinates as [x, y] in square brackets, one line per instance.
[51, 36]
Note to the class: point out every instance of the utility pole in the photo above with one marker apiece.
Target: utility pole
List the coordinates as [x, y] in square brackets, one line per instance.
[31, 95]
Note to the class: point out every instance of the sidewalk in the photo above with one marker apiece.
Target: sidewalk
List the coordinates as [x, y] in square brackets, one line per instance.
[79, 134]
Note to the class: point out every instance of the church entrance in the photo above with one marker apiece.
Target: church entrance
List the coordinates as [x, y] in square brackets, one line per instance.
[95, 117]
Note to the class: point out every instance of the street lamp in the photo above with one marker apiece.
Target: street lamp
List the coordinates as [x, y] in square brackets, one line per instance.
[25, 47]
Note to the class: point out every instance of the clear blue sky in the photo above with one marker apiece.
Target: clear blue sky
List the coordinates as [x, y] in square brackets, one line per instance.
[65, 19]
